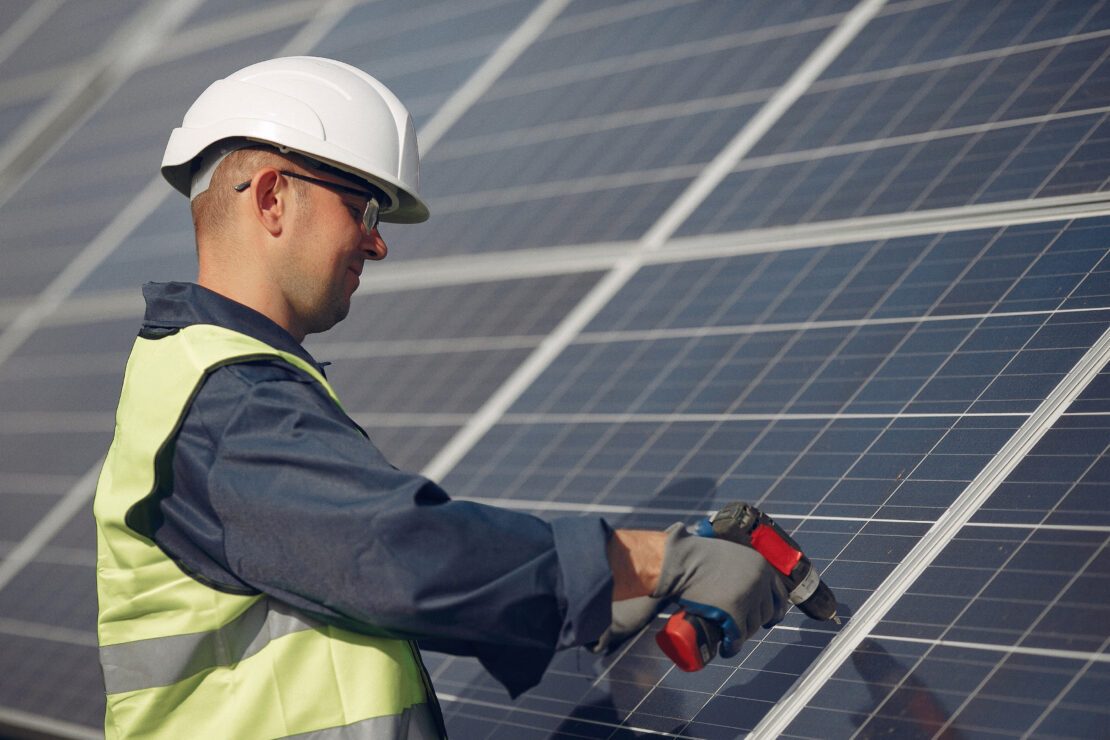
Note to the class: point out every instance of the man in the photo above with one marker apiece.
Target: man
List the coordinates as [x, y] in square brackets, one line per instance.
[262, 570]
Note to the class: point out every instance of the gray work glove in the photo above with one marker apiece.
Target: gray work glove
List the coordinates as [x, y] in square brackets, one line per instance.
[629, 617]
[730, 584]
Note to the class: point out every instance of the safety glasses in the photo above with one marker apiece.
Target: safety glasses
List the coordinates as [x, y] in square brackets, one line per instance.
[370, 214]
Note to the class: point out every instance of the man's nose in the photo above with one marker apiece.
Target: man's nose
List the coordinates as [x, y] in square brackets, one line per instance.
[374, 246]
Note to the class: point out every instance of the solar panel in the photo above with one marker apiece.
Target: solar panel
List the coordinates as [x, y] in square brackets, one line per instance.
[683, 253]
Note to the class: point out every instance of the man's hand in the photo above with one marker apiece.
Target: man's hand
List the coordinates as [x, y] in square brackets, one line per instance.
[629, 617]
[728, 583]
[731, 584]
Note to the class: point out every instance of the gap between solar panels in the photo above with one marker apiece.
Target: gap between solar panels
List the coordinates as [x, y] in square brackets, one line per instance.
[489, 267]
[867, 617]
[652, 241]
[578, 258]
[86, 91]
[13, 719]
[29, 22]
[151, 196]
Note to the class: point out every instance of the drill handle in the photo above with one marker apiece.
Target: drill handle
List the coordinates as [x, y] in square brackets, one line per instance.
[689, 641]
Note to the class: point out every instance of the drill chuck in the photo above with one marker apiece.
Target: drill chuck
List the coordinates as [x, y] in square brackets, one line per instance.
[747, 525]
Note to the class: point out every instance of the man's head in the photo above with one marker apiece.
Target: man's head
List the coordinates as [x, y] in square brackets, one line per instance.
[289, 164]
[320, 108]
[286, 235]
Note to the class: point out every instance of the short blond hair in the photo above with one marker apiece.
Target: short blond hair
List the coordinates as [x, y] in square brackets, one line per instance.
[212, 210]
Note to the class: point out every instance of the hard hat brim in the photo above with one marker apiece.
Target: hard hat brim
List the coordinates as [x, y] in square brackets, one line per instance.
[186, 144]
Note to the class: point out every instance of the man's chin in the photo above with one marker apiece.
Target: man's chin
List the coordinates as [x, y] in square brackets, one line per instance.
[324, 322]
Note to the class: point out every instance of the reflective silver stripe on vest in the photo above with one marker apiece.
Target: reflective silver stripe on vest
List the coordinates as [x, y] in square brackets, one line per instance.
[415, 723]
[163, 661]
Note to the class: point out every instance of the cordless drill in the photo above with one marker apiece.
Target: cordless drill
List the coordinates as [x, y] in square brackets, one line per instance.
[692, 641]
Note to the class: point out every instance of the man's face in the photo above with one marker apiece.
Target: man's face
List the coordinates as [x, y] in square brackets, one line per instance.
[325, 255]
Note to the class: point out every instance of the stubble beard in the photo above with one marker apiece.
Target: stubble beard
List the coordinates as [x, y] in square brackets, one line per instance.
[332, 308]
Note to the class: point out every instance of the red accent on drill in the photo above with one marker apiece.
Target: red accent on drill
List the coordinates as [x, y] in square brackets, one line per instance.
[692, 641]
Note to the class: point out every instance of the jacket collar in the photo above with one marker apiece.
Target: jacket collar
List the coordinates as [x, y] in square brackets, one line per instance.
[177, 305]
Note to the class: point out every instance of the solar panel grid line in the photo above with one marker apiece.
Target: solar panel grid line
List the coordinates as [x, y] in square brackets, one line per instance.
[541, 506]
[884, 226]
[528, 418]
[76, 498]
[938, 443]
[1032, 624]
[50, 727]
[493, 67]
[413, 17]
[479, 143]
[387, 348]
[542, 417]
[1064, 690]
[637, 60]
[56, 554]
[195, 39]
[45, 483]
[801, 455]
[624, 335]
[527, 83]
[35, 85]
[79, 268]
[847, 122]
[427, 273]
[947, 526]
[679, 356]
[758, 125]
[1036, 129]
[1028, 631]
[326, 17]
[653, 240]
[500, 196]
[378, 420]
[34, 16]
[876, 171]
[762, 374]
[553, 715]
[53, 633]
[1097, 657]
[985, 74]
[495, 141]
[139, 208]
[1012, 45]
[852, 79]
[35, 367]
[466, 202]
[773, 363]
[54, 121]
[591, 124]
[421, 60]
[46, 422]
[603, 16]
[554, 260]
[430, 421]
[871, 145]
[44, 530]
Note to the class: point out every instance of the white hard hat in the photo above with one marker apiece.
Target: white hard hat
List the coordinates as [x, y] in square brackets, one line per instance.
[327, 110]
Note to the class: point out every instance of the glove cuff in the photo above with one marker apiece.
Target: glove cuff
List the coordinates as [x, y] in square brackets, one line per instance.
[673, 571]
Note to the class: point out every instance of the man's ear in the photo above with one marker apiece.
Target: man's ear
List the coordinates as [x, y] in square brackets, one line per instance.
[270, 193]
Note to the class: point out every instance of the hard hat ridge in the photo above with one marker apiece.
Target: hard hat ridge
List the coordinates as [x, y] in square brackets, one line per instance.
[327, 110]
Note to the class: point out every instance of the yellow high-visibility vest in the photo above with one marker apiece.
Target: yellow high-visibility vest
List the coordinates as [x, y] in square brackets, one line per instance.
[184, 660]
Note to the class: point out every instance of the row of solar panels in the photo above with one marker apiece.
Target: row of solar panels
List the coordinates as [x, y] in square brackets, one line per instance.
[854, 389]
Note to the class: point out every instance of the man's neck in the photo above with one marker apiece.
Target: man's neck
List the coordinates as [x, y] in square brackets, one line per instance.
[250, 292]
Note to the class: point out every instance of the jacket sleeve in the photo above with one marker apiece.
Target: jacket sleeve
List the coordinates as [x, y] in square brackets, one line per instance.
[278, 489]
